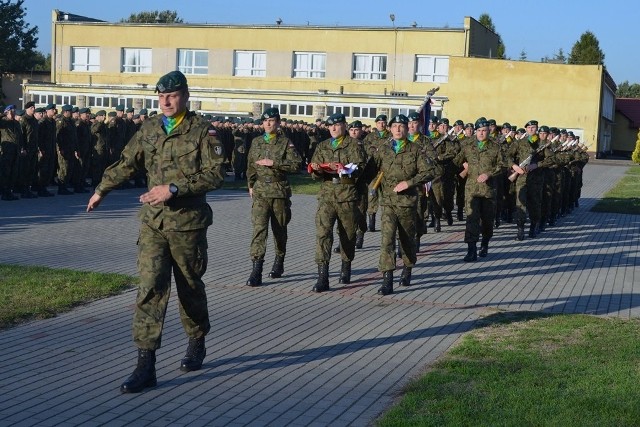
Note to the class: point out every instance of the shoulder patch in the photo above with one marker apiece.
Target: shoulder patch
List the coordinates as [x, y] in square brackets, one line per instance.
[212, 132]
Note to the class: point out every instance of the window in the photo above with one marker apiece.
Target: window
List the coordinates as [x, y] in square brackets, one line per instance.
[369, 67]
[432, 69]
[136, 60]
[65, 99]
[193, 61]
[405, 111]
[250, 63]
[85, 59]
[364, 112]
[309, 65]
[335, 109]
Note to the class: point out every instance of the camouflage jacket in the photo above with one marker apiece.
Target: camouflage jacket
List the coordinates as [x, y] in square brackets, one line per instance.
[488, 160]
[66, 136]
[99, 137]
[84, 137]
[11, 132]
[520, 149]
[47, 135]
[409, 164]
[271, 182]
[191, 158]
[29, 126]
[373, 140]
[334, 188]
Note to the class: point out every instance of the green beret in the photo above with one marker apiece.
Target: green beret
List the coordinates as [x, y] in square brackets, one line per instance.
[433, 119]
[381, 118]
[67, 107]
[458, 123]
[171, 82]
[101, 113]
[521, 130]
[514, 128]
[336, 118]
[271, 113]
[129, 110]
[400, 118]
[482, 124]
[531, 123]
[469, 125]
[444, 121]
[111, 114]
[481, 119]
[39, 110]
[257, 122]
[506, 125]
[544, 129]
[554, 130]
[355, 124]
[120, 107]
[563, 131]
[143, 112]
[75, 109]
[19, 112]
[136, 116]
[29, 105]
[84, 110]
[414, 117]
[492, 122]
[50, 107]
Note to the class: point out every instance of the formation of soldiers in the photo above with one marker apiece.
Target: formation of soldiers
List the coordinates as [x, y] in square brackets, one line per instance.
[69, 148]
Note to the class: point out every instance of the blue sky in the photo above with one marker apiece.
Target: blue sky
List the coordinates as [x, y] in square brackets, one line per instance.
[539, 28]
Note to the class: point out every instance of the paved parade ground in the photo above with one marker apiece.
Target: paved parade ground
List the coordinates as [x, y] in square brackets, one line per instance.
[281, 354]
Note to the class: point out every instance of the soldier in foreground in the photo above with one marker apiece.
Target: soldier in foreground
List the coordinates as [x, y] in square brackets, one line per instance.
[183, 159]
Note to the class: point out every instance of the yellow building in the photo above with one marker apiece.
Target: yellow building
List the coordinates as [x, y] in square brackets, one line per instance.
[311, 72]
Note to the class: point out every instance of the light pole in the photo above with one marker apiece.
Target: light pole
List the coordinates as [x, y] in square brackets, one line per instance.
[395, 49]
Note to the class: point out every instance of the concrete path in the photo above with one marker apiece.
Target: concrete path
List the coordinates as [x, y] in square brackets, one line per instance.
[280, 354]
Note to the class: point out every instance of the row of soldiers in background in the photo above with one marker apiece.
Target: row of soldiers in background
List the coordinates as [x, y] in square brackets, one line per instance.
[40, 146]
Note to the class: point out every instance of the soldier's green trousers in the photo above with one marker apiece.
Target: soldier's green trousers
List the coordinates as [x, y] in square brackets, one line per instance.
[346, 214]
[400, 219]
[481, 213]
[160, 253]
[265, 211]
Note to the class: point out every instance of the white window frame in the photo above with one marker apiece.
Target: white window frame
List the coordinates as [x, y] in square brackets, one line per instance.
[257, 66]
[364, 111]
[309, 65]
[187, 61]
[85, 59]
[369, 66]
[140, 60]
[432, 69]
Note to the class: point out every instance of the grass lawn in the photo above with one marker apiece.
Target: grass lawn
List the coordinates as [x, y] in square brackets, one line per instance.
[28, 293]
[528, 369]
[624, 197]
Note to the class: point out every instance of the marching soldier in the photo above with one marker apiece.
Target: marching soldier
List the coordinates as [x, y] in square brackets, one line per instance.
[67, 142]
[371, 142]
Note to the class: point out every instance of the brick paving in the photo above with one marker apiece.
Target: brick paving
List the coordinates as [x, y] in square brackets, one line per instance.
[280, 354]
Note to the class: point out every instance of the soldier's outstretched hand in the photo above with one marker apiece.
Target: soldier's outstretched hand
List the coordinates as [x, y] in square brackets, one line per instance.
[94, 202]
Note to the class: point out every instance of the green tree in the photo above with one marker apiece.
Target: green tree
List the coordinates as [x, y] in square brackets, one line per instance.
[523, 55]
[43, 63]
[627, 90]
[587, 51]
[155, 16]
[17, 50]
[485, 20]
[560, 57]
[635, 156]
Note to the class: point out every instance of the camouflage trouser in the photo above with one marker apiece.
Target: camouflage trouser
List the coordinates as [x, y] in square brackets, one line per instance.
[481, 213]
[160, 252]
[400, 220]
[46, 168]
[98, 165]
[547, 192]
[265, 211]
[421, 209]
[363, 205]
[374, 200]
[346, 213]
[436, 196]
[460, 184]
[8, 165]
[556, 200]
[65, 168]
[529, 197]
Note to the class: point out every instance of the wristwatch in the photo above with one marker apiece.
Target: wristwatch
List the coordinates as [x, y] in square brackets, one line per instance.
[173, 189]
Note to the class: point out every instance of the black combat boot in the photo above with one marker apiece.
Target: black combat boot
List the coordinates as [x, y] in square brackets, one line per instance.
[359, 239]
[484, 248]
[460, 214]
[433, 221]
[542, 225]
[323, 278]
[497, 222]
[278, 267]
[437, 225]
[372, 222]
[255, 279]
[449, 218]
[520, 232]
[336, 250]
[387, 283]
[64, 191]
[405, 277]
[532, 230]
[194, 356]
[144, 375]
[345, 273]
[472, 252]
[552, 221]
[510, 216]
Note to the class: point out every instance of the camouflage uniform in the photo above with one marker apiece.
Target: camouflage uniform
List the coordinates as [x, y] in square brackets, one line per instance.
[27, 162]
[47, 150]
[337, 198]
[399, 209]
[480, 198]
[99, 151]
[10, 142]
[271, 192]
[67, 140]
[371, 144]
[173, 234]
[84, 153]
